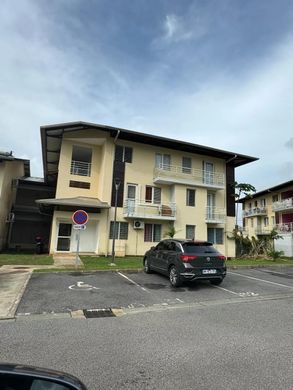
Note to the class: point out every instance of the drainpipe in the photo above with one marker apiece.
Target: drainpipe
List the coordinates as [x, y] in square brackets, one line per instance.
[116, 137]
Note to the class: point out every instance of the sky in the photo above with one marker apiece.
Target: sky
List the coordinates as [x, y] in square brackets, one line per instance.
[211, 72]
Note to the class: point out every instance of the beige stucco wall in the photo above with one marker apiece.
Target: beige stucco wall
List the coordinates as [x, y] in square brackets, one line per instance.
[9, 170]
[140, 172]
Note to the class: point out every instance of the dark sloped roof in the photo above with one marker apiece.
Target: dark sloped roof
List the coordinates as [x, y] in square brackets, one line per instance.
[52, 137]
[276, 188]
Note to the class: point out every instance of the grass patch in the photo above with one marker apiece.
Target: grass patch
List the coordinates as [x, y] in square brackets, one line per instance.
[128, 262]
[259, 261]
[25, 259]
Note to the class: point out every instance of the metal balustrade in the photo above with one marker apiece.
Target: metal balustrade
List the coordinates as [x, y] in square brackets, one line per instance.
[254, 212]
[80, 168]
[140, 209]
[215, 215]
[286, 204]
[165, 173]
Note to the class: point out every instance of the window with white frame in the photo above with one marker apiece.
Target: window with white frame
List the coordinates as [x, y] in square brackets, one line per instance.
[216, 235]
[152, 232]
[153, 195]
[163, 161]
[263, 202]
[121, 230]
[266, 221]
[275, 198]
[190, 232]
[131, 191]
[190, 197]
[208, 172]
[81, 161]
[186, 164]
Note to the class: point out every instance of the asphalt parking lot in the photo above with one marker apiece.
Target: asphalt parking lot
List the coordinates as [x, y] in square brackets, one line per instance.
[65, 292]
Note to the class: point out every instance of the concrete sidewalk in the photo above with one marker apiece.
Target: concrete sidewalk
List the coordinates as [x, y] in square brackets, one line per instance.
[12, 286]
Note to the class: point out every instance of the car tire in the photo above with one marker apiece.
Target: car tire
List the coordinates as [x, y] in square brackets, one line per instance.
[216, 282]
[146, 266]
[174, 277]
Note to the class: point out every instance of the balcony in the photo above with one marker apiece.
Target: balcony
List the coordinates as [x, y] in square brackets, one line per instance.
[171, 174]
[263, 230]
[283, 205]
[254, 212]
[80, 168]
[142, 210]
[284, 227]
[215, 215]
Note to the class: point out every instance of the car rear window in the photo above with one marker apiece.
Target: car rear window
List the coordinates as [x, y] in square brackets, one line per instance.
[192, 248]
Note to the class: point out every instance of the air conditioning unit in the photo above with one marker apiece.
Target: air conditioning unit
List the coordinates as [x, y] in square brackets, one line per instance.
[138, 225]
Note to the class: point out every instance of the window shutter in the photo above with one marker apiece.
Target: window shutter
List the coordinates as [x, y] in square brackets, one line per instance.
[119, 153]
[219, 236]
[128, 155]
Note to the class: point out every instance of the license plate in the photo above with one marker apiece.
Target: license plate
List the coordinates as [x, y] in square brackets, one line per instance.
[209, 271]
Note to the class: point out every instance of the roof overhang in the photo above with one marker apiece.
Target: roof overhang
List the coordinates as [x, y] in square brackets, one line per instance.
[51, 136]
[81, 202]
[278, 187]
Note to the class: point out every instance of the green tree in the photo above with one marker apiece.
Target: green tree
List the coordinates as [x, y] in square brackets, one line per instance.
[241, 189]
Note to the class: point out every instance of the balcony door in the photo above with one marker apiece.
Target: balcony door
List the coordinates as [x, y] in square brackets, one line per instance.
[131, 198]
[163, 161]
[208, 172]
[211, 204]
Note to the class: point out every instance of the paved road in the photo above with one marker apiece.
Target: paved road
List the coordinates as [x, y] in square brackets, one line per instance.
[232, 346]
[64, 292]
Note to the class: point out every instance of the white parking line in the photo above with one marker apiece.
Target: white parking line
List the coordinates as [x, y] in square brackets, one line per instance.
[262, 280]
[225, 289]
[133, 282]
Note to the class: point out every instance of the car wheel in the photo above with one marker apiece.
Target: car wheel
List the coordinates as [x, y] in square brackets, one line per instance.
[174, 277]
[146, 266]
[216, 282]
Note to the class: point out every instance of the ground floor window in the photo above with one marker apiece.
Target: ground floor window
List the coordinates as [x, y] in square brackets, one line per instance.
[121, 230]
[190, 232]
[64, 235]
[152, 232]
[216, 235]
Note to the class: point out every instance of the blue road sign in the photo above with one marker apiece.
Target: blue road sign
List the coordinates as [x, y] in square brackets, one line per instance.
[80, 217]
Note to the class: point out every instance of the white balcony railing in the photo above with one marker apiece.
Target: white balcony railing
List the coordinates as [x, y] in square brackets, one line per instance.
[80, 168]
[254, 212]
[140, 209]
[178, 174]
[286, 204]
[215, 215]
[285, 227]
[280, 228]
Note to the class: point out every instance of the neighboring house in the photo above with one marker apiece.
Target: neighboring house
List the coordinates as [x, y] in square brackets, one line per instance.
[28, 222]
[11, 168]
[159, 181]
[271, 209]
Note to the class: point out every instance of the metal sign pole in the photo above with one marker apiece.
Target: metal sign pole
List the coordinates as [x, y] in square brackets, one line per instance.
[77, 249]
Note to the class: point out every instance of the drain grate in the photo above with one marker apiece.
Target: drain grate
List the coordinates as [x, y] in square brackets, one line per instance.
[98, 313]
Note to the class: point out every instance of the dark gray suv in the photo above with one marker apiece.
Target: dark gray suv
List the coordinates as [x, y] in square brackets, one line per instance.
[185, 260]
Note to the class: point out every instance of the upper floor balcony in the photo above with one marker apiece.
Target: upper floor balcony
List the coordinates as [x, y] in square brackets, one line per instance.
[172, 174]
[283, 205]
[284, 227]
[143, 210]
[254, 212]
[80, 168]
[215, 215]
[280, 228]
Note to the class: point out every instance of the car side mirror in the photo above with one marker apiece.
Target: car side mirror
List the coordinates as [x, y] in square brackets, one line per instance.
[18, 377]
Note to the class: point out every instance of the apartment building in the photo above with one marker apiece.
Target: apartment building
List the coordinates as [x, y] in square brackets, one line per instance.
[155, 182]
[11, 168]
[271, 209]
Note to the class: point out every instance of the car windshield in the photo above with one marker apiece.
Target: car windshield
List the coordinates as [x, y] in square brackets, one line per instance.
[193, 248]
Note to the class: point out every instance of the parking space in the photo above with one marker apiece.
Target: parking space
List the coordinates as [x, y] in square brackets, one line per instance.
[64, 292]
